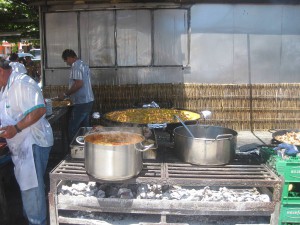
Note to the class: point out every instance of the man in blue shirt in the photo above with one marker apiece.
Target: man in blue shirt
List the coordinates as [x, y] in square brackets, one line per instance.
[80, 92]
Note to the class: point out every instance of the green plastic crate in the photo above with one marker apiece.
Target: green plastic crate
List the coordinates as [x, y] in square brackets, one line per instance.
[292, 172]
[280, 165]
[290, 213]
[293, 196]
[266, 153]
[289, 223]
[289, 169]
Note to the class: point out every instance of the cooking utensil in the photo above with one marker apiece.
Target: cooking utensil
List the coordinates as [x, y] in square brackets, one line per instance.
[206, 114]
[77, 149]
[131, 115]
[183, 124]
[212, 145]
[276, 134]
[114, 162]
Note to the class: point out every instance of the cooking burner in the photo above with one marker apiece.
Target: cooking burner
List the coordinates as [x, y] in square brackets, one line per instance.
[243, 172]
[235, 174]
[166, 173]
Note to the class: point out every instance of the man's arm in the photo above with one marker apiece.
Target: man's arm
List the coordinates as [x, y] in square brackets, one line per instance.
[74, 88]
[28, 120]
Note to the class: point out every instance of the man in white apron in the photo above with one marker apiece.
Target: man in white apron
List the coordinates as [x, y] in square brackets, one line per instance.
[29, 137]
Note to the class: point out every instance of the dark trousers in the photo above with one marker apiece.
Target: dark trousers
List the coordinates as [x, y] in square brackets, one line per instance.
[80, 117]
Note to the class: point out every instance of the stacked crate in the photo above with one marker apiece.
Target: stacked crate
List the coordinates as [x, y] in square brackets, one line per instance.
[290, 199]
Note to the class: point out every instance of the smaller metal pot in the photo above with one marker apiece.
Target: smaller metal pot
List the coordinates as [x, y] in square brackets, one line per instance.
[211, 145]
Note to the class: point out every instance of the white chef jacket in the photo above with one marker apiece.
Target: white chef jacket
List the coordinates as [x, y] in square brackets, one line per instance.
[23, 96]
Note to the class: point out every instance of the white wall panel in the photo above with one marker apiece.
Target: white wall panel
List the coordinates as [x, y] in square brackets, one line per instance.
[61, 33]
[269, 55]
[215, 18]
[170, 37]
[290, 60]
[57, 77]
[240, 59]
[97, 38]
[290, 19]
[212, 57]
[257, 19]
[265, 58]
[133, 37]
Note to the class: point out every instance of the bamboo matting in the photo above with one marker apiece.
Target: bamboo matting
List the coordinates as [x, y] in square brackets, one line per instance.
[236, 106]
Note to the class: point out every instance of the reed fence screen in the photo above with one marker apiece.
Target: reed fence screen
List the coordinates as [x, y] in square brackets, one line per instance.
[236, 106]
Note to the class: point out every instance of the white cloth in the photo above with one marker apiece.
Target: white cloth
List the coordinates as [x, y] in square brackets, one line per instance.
[22, 156]
[18, 67]
[12, 111]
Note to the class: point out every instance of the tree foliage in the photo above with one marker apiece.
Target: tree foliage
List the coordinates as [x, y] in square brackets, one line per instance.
[18, 16]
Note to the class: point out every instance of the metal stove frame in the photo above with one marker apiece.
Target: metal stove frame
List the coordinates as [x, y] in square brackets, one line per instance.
[170, 173]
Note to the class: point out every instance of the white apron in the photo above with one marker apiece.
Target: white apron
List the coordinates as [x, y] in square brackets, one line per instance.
[21, 148]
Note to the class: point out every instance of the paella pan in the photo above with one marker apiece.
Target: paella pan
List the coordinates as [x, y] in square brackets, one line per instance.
[288, 136]
[144, 116]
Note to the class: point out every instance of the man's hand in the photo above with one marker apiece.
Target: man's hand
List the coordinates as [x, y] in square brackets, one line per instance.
[32, 117]
[61, 96]
[8, 132]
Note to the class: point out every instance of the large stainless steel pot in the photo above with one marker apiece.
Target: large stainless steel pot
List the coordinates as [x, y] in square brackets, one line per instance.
[212, 145]
[114, 161]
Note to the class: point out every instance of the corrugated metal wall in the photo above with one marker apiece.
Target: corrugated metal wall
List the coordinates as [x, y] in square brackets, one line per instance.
[240, 61]
[208, 43]
[245, 43]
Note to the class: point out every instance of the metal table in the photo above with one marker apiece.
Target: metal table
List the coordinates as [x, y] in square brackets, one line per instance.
[57, 114]
[58, 119]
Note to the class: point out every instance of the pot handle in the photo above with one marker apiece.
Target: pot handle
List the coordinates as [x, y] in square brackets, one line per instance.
[79, 140]
[224, 136]
[145, 148]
